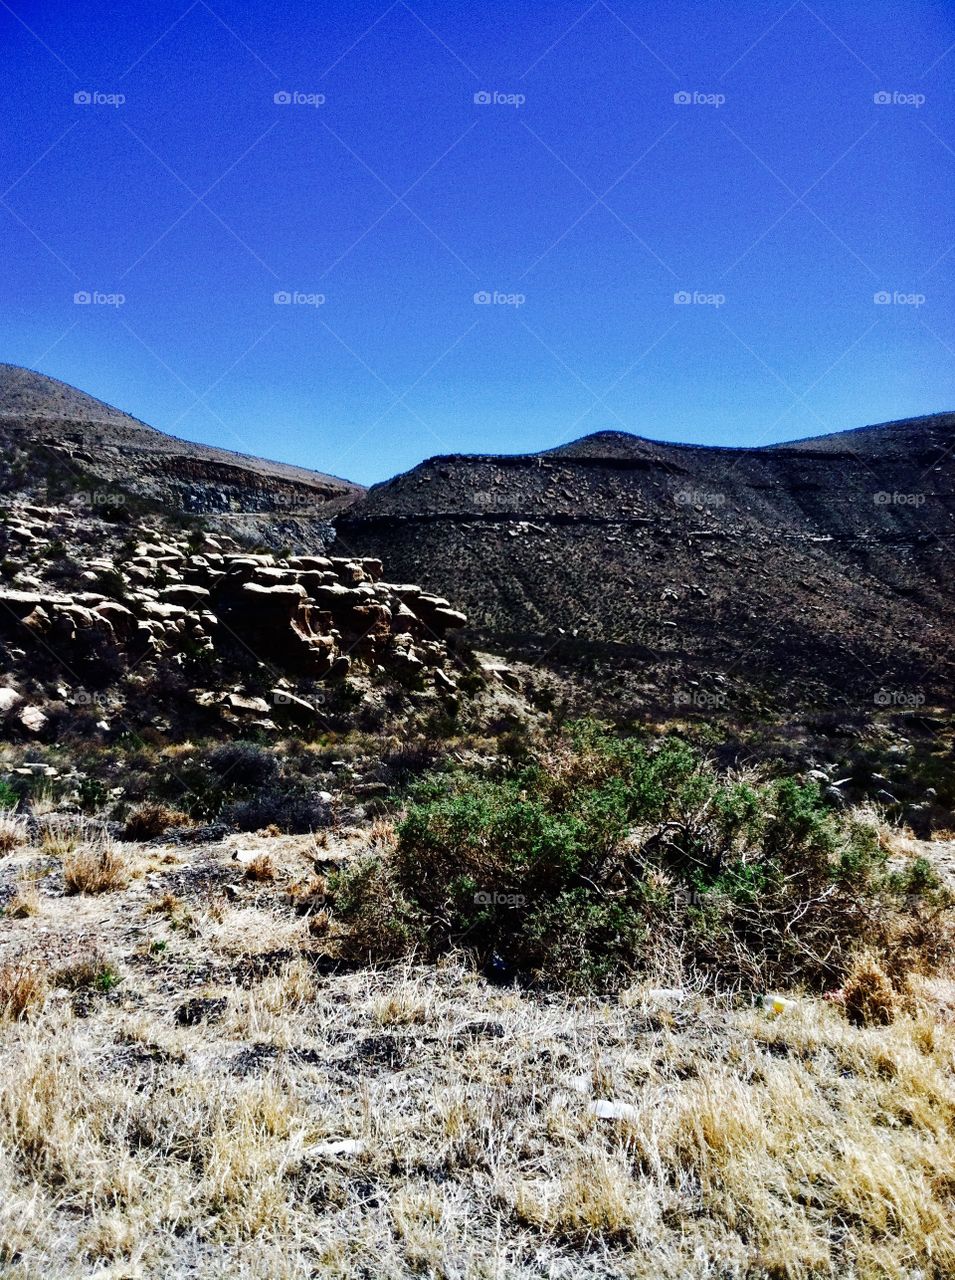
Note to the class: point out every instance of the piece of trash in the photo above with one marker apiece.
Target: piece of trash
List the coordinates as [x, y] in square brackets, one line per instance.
[604, 1109]
[777, 1004]
[346, 1147]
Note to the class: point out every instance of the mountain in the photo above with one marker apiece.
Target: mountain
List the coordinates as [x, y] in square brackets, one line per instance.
[818, 571]
[51, 432]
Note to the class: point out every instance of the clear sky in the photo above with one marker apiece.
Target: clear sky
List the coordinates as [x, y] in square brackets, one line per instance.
[736, 154]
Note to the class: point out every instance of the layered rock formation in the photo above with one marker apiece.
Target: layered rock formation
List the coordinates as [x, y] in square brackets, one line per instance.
[179, 601]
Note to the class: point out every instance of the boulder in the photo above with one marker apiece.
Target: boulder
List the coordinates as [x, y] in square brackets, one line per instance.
[8, 699]
[32, 719]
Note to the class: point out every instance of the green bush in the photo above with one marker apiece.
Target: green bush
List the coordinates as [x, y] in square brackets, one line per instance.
[587, 866]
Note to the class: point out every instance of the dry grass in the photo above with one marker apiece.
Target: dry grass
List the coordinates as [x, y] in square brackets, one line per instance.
[14, 831]
[147, 821]
[95, 868]
[261, 869]
[417, 1122]
[25, 902]
[23, 990]
[60, 834]
[797, 1146]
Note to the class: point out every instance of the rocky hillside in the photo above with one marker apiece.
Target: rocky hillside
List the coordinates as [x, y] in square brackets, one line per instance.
[818, 571]
[57, 442]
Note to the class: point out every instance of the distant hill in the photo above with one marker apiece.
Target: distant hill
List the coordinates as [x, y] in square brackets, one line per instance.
[820, 569]
[51, 424]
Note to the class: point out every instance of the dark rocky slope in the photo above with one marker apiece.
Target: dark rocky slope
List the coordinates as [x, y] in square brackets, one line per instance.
[819, 570]
[50, 431]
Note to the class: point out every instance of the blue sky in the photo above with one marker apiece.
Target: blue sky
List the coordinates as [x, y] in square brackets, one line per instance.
[735, 156]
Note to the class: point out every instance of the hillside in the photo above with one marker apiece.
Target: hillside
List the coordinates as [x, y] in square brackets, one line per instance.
[92, 447]
[816, 571]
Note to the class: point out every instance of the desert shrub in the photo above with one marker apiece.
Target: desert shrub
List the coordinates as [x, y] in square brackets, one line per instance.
[289, 808]
[211, 778]
[242, 764]
[9, 799]
[582, 866]
[149, 820]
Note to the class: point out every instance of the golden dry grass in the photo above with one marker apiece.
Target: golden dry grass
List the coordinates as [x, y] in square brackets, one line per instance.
[14, 832]
[95, 867]
[23, 990]
[417, 1122]
[25, 901]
